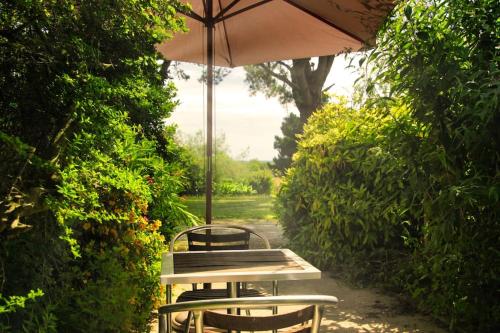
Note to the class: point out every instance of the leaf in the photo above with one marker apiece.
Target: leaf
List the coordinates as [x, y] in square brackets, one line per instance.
[408, 11]
[361, 61]
[422, 35]
[12, 206]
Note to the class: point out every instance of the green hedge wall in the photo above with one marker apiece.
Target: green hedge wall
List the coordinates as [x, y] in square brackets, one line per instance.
[343, 202]
[421, 183]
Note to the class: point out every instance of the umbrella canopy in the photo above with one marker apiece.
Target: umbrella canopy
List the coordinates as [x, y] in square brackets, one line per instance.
[233, 33]
[256, 31]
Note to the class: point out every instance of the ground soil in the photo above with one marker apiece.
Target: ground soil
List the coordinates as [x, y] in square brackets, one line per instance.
[359, 310]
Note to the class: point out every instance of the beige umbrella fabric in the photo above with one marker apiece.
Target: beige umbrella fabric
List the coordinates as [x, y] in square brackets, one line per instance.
[234, 33]
[278, 29]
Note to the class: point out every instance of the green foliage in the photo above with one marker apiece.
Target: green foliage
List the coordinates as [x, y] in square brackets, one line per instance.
[231, 176]
[260, 78]
[261, 181]
[286, 145]
[10, 304]
[414, 173]
[240, 207]
[298, 80]
[232, 188]
[90, 174]
[44, 321]
[441, 59]
[341, 203]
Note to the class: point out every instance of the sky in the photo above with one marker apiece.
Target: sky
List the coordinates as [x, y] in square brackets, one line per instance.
[249, 123]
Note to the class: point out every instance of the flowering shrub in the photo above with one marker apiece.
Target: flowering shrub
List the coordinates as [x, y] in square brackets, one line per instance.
[90, 173]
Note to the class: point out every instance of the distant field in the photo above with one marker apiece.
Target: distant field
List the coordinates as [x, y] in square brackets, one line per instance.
[239, 207]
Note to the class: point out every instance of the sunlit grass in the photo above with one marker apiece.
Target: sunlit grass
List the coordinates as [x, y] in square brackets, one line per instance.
[238, 207]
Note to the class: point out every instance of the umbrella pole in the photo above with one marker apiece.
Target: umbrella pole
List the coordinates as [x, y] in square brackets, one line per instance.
[210, 63]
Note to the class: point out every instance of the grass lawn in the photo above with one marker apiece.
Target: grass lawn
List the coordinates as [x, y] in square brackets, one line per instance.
[239, 207]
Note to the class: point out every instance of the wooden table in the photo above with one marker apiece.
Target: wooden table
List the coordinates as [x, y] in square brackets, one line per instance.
[233, 266]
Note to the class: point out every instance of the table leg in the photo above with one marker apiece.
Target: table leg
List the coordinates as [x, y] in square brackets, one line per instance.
[233, 293]
[275, 293]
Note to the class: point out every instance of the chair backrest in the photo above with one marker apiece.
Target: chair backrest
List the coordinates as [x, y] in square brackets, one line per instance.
[207, 238]
[206, 317]
[203, 241]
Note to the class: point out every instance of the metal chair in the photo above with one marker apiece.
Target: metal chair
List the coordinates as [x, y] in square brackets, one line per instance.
[206, 320]
[210, 238]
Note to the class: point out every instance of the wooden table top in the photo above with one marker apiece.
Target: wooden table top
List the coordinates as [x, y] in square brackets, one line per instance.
[235, 266]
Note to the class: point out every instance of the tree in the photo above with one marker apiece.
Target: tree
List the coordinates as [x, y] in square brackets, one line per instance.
[286, 145]
[298, 80]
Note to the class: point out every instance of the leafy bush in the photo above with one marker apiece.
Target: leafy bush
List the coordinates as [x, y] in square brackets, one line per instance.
[342, 202]
[418, 182]
[232, 188]
[89, 168]
[441, 58]
[261, 181]
[104, 206]
[231, 176]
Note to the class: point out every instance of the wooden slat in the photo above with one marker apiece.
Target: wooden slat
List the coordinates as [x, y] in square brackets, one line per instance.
[241, 255]
[192, 295]
[232, 261]
[263, 323]
[217, 247]
[219, 238]
[249, 269]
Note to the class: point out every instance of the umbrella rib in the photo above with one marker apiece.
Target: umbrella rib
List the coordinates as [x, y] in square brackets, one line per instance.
[226, 36]
[192, 15]
[225, 10]
[242, 10]
[333, 25]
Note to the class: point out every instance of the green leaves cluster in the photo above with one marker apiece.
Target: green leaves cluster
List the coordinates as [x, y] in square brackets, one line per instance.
[414, 172]
[228, 188]
[343, 201]
[232, 176]
[287, 144]
[90, 174]
[442, 59]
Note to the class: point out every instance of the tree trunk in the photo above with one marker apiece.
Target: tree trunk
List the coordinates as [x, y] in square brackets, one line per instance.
[307, 89]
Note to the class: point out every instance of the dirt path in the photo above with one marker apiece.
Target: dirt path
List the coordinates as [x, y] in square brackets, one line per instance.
[359, 310]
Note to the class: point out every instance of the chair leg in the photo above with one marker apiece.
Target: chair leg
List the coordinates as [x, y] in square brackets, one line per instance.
[187, 324]
[161, 323]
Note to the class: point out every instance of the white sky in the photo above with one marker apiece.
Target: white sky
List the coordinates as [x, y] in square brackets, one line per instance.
[249, 123]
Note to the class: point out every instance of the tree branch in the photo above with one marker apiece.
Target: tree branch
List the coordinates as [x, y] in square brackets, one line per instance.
[328, 88]
[282, 78]
[324, 65]
[284, 64]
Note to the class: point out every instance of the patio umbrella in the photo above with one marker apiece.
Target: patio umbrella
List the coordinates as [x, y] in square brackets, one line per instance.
[234, 33]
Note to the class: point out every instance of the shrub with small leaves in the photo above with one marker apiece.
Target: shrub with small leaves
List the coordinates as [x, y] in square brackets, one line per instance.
[342, 202]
